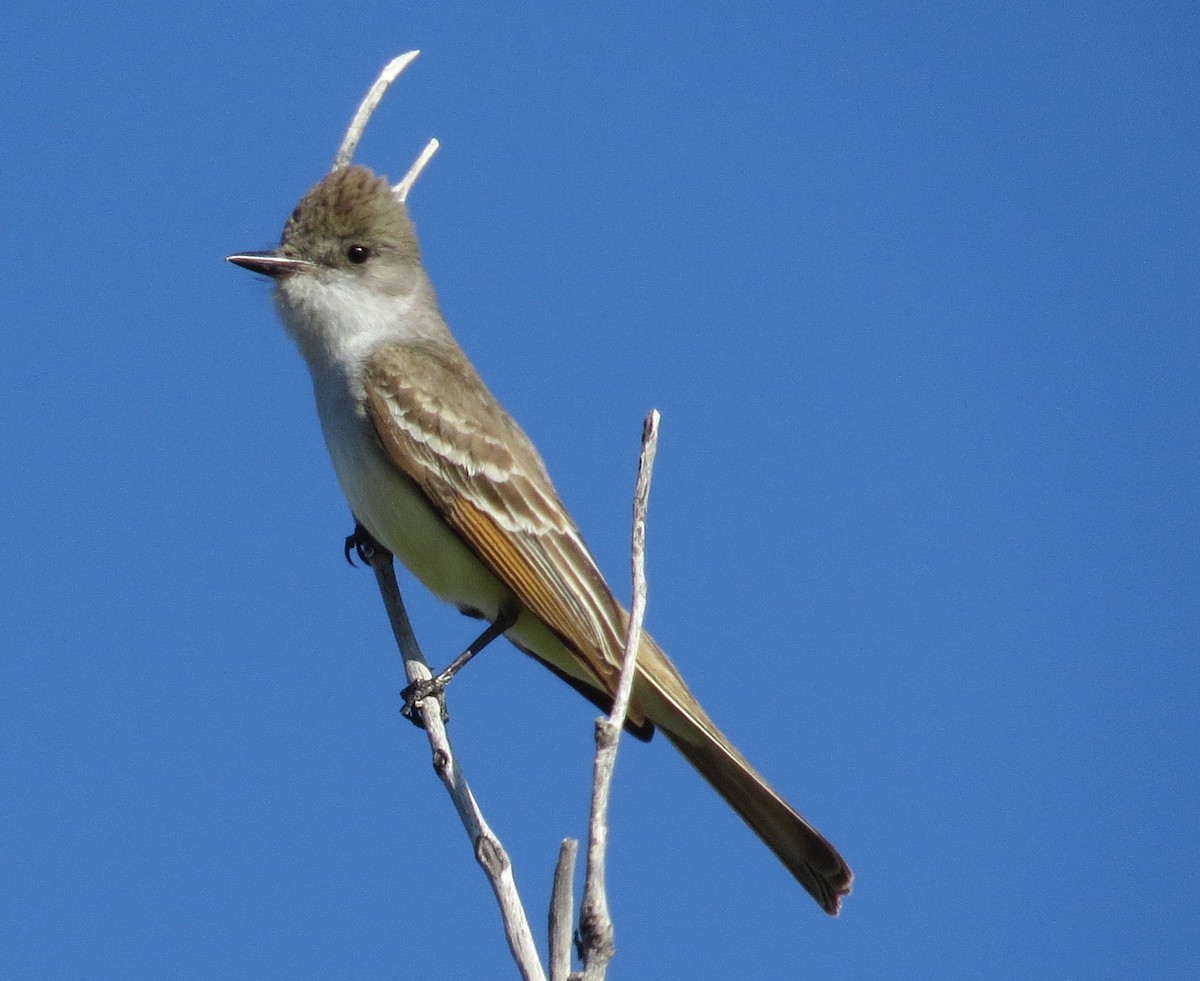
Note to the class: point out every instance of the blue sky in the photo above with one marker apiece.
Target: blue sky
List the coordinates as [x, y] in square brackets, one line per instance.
[915, 289]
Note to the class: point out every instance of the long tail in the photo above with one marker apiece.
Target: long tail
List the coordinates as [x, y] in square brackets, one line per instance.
[797, 844]
[805, 853]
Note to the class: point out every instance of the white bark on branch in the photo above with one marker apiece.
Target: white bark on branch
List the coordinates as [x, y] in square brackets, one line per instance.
[562, 911]
[391, 71]
[595, 924]
[488, 851]
[595, 929]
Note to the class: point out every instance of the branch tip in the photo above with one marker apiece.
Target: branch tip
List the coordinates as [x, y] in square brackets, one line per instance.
[401, 190]
[358, 124]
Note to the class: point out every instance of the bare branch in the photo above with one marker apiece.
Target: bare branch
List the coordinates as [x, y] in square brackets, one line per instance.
[595, 924]
[401, 190]
[562, 905]
[358, 124]
[488, 851]
[637, 613]
[595, 927]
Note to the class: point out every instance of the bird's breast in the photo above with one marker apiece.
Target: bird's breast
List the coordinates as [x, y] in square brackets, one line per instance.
[393, 509]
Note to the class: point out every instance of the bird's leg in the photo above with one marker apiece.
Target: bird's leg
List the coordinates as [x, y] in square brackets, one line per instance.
[434, 687]
[363, 544]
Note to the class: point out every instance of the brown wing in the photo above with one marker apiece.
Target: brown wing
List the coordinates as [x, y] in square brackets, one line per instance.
[441, 426]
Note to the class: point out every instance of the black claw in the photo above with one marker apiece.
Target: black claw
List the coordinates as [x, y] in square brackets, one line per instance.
[361, 543]
[416, 693]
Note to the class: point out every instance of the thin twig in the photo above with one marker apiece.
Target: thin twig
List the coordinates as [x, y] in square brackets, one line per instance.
[358, 124]
[562, 911]
[488, 851]
[401, 190]
[637, 613]
[595, 924]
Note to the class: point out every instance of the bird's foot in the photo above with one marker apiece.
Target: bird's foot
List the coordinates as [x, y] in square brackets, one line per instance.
[417, 692]
[362, 543]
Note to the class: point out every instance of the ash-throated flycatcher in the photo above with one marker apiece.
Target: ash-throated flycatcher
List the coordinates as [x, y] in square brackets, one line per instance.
[440, 474]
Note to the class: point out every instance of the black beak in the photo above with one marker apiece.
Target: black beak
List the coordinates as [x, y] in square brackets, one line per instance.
[268, 263]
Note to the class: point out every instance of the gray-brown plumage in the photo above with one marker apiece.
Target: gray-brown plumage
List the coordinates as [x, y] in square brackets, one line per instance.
[440, 474]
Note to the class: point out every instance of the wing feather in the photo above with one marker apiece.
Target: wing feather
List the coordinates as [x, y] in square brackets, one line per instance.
[440, 425]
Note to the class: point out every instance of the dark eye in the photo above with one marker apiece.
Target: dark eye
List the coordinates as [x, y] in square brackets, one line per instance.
[358, 254]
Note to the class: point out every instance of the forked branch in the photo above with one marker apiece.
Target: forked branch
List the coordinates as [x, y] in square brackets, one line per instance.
[596, 931]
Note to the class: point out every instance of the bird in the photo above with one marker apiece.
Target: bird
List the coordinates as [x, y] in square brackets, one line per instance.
[437, 471]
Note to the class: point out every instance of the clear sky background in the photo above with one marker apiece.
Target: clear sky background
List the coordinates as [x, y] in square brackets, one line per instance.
[915, 289]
